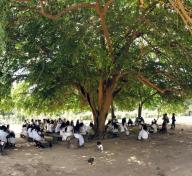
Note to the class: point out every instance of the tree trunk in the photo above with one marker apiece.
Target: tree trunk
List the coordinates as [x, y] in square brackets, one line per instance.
[102, 112]
[101, 107]
[112, 111]
[140, 109]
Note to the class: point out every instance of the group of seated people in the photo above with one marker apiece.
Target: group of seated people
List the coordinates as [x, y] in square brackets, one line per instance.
[7, 138]
[36, 129]
[66, 129]
[115, 128]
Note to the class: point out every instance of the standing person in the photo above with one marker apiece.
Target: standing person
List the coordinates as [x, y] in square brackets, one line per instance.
[173, 121]
[165, 123]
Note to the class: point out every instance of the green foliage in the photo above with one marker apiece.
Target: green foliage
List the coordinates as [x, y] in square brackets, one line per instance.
[51, 59]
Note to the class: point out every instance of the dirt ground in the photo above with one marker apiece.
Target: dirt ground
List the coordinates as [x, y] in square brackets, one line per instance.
[163, 155]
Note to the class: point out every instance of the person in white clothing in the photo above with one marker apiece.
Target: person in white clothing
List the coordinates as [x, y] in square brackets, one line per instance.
[143, 134]
[29, 132]
[67, 131]
[83, 129]
[24, 131]
[80, 138]
[11, 139]
[124, 127]
[3, 138]
[57, 128]
[3, 134]
[37, 135]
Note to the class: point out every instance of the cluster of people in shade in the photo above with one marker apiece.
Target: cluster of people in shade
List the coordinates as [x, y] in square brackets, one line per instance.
[65, 129]
[114, 127]
[36, 129]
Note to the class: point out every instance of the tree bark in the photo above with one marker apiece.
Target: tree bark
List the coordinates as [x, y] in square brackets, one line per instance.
[140, 109]
[112, 111]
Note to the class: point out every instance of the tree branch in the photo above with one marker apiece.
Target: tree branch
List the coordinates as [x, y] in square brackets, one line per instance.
[150, 84]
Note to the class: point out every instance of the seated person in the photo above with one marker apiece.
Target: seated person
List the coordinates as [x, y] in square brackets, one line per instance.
[66, 131]
[58, 126]
[143, 134]
[109, 127]
[80, 138]
[3, 138]
[115, 131]
[39, 139]
[50, 126]
[83, 129]
[123, 127]
[91, 131]
[154, 127]
[139, 121]
[24, 131]
[130, 122]
[11, 139]
[29, 131]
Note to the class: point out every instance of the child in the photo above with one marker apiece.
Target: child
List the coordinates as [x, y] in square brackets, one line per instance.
[99, 146]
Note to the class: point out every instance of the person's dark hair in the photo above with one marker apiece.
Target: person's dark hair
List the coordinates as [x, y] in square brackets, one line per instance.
[67, 123]
[81, 124]
[91, 125]
[63, 125]
[4, 128]
[12, 134]
[145, 127]
[76, 129]
[98, 142]
[72, 123]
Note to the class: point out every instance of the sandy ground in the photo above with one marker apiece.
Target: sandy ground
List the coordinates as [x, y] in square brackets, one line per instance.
[163, 155]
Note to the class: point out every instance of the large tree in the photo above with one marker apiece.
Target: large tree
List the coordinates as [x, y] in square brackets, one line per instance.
[92, 49]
